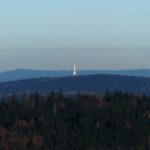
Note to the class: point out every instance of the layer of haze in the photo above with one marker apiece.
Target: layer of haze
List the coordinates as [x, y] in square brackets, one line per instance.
[94, 34]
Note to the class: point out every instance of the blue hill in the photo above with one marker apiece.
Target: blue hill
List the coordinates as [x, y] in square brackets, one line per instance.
[87, 84]
[20, 74]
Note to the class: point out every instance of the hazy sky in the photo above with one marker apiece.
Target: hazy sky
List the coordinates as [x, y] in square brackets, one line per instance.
[94, 34]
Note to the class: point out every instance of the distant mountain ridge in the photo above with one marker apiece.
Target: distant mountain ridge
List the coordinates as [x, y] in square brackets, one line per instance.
[83, 84]
[20, 74]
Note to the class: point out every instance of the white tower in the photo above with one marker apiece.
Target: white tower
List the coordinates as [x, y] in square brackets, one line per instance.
[74, 70]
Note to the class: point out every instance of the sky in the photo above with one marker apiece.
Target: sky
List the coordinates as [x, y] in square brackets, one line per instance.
[53, 35]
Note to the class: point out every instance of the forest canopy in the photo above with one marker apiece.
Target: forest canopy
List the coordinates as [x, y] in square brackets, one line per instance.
[116, 121]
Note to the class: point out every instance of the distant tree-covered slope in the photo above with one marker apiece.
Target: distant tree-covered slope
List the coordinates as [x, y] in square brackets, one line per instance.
[91, 83]
[20, 74]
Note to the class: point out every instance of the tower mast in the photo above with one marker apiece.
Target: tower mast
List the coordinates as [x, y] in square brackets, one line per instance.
[74, 70]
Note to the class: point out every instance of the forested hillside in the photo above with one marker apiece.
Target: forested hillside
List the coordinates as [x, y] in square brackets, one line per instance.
[21, 74]
[85, 84]
[114, 121]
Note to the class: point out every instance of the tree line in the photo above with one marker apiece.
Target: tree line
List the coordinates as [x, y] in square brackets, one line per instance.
[113, 121]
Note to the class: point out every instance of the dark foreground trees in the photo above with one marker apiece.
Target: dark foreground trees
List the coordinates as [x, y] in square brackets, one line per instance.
[83, 122]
